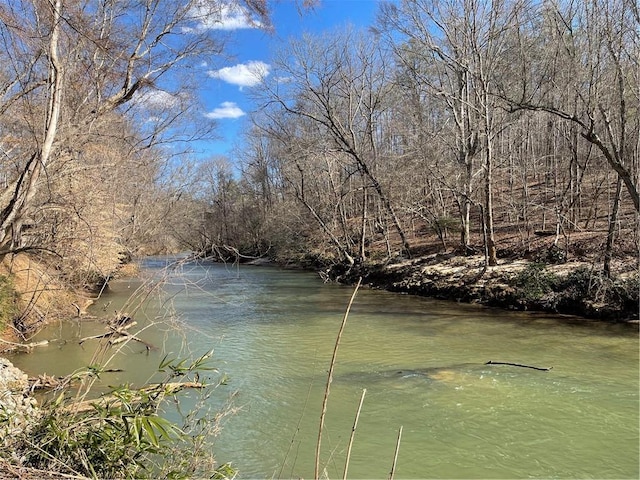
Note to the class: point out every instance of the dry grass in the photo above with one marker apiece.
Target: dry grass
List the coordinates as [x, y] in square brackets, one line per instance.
[42, 296]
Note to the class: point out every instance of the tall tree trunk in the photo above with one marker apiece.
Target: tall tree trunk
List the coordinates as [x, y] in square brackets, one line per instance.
[613, 219]
[488, 187]
[25, 187]
[363, 233]
[488, 216]
[465, 234]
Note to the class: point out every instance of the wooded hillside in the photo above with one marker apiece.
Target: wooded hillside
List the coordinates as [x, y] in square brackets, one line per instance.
[97, 115]
[507, 128]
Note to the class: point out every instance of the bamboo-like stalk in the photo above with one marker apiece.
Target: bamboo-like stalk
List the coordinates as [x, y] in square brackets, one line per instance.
[395, 455]
[316, 474]
[353, 434]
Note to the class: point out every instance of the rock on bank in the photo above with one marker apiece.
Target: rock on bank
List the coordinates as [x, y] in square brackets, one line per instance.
[18, 409]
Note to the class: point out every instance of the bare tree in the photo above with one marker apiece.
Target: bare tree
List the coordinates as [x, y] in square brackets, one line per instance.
[21, 192]
[74, 68]
[339, 83]
[461, 47]
[593, 49]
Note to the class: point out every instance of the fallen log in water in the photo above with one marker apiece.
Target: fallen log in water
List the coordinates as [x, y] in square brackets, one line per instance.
[48, 382]
[161, 389]
[544, 369]
[126, 336]
[27, 347]
[112, 332]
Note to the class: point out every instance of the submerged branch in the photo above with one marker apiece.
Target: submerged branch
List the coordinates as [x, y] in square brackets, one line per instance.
[27, 347]
[48, 382]
[544, 369]
[119, 335]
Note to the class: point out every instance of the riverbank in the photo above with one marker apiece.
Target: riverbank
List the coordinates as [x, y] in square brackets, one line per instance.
[32, 294]
[544, 278]
[574, 288]
[18, 409]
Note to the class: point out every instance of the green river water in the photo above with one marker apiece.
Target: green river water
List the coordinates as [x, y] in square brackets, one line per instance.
[422, 362]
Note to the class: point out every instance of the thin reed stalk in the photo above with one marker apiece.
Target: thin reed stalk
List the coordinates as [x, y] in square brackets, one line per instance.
[353, 434]
[316, 474]
[395, 455]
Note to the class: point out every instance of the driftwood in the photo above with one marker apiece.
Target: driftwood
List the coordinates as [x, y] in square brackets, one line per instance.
[121, 320]
[161, 389]
[48, 382]
[118, 335]
[118, 332]
[544, 369]
[27, 347]
[124, 336]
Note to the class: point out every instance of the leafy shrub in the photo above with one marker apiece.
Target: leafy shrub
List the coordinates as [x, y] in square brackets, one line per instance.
[112, 441]
[553, 255]
[582, 283]
[534, 282]
[441, 224]
[591, 288]
[122, 435]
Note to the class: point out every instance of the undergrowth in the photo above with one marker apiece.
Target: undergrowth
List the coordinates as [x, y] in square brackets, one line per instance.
[128, 432]
[534, 282]
[584, 291]
[123, 434]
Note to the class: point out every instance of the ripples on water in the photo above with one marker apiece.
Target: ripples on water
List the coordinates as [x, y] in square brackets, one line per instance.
[422, 363]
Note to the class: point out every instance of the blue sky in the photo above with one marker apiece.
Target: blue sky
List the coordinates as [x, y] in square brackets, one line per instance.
[226, 90]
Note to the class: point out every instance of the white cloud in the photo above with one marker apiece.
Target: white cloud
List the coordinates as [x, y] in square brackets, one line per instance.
[223, 16]
[244, 74]
[158, 99]
[225, 110]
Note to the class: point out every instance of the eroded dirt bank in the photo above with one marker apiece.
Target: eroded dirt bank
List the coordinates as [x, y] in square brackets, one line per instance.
[574, 288]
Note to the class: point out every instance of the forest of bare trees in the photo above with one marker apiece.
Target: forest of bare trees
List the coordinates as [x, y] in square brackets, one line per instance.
[483, 133]
[469, 126]
[96, 122]
[491, 127]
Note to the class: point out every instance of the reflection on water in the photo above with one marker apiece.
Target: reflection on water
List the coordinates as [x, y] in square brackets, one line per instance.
[421, 361]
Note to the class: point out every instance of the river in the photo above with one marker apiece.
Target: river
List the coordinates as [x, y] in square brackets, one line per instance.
[421, 361]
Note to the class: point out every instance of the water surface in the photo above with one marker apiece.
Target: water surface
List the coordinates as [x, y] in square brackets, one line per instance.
[421, 361]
